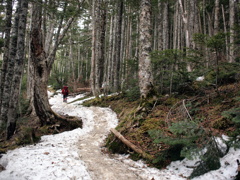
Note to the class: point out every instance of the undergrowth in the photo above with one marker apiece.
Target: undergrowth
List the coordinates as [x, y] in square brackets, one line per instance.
[213, 113]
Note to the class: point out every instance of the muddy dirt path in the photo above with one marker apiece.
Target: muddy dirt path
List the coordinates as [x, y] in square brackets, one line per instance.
[100, 165]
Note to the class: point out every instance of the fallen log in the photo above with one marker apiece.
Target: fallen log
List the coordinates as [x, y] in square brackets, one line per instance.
[83, 89]
[131, 145]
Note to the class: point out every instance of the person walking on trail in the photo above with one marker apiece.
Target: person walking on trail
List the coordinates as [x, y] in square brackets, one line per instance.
[65, 93]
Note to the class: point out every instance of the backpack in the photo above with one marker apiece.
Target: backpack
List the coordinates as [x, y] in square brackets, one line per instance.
[65, 91]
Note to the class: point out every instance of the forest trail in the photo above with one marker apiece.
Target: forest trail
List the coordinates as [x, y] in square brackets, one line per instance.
[100, 165]
[77, 154]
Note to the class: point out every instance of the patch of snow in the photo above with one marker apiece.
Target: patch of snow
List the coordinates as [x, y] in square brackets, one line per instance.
[200, 78]
[50, 94]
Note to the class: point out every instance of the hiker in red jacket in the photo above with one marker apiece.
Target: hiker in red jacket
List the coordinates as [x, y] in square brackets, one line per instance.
[65, 93]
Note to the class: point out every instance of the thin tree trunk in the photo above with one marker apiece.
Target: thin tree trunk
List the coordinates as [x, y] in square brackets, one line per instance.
[185, 21]
[206, 54]
[160, 26]
[216, 17]
[109, 59]
[225, 31]
[145, 70]
[116, 86]
[93, 58]
[113, 51]
[122, 54]
[232, 31]
[192, 22]
[175, 26]
[186, 28]
[165, 26]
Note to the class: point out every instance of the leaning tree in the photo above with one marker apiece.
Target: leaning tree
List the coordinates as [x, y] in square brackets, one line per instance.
[42, 58]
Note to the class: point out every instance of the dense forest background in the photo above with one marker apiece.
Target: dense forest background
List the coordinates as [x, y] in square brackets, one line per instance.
[144, 48]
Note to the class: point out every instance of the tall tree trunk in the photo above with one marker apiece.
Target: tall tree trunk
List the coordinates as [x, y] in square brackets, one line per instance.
[18, 69]
[225, 31]
[186, 28]
[10, 68]
[216, 17]
[175, 26]
[185, 21]
[122, 54]
[232, 32]
[145, 70]
[93, 58]
[42, 63]
[113, 51]
[192, 22]
[6, 53]
[165, 26]
[109, 59]
[160, 26]
[116, 64]
[40, 67]
[100, 46]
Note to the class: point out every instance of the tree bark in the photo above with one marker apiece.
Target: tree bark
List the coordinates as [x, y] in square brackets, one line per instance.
[10, 68]
[160, 26]
[116, 64]
[145, 69]
[216, 17]
[93, 58]
[40, 67]
[165, 27]
[225, 31]
[232, 31]
[18, 69]
[42, 63]
[109, 59]
[100, 45]
[6, 54]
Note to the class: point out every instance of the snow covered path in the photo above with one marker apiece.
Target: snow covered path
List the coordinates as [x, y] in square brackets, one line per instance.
[77, 154]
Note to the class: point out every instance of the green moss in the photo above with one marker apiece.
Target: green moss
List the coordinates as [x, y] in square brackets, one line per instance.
[27, 136]
[151, 124]
[171, 101]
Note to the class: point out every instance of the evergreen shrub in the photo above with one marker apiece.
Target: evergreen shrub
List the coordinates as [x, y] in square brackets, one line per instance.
[133, 92]
[194, 142]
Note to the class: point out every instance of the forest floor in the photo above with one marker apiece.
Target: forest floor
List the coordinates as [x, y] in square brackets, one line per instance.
[206, 105]
[81, 153]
